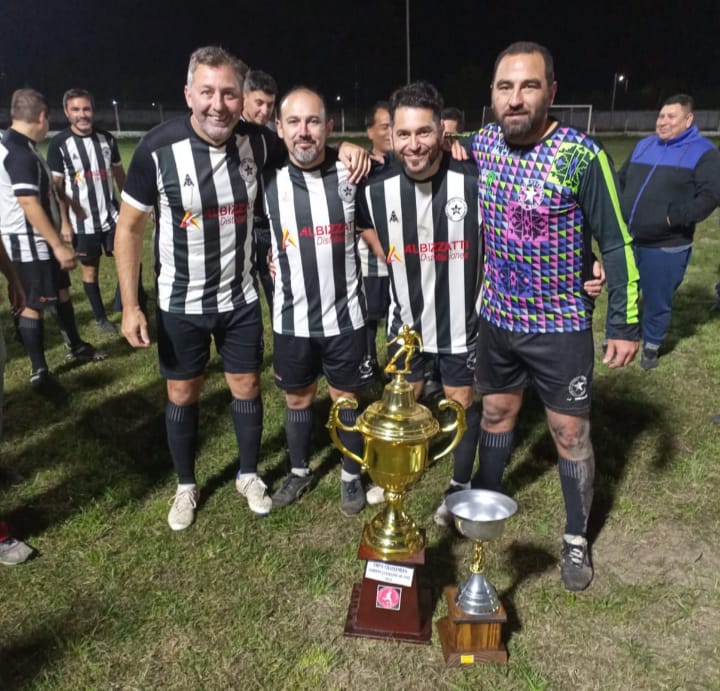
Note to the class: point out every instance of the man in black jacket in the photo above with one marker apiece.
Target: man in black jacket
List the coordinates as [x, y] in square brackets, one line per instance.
[670, 182]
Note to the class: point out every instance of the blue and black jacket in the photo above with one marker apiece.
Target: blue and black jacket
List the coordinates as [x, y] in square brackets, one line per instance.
[667, 187]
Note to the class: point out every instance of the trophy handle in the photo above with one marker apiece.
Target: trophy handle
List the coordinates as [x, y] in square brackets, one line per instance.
[459, 425]
[334, 422]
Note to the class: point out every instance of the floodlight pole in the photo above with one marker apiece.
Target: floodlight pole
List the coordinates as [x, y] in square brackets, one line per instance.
[339, 101]
[616, 78]
[117, 115]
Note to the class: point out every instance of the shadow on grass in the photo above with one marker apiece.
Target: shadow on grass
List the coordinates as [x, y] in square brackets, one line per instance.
[690, 310]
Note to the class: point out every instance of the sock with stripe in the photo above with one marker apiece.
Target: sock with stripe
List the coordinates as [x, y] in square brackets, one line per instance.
[247, 417]
[181, 424]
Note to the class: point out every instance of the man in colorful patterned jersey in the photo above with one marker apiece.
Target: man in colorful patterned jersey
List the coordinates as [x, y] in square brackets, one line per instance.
[545, 190]
[199, 174]
[31, 233]
[423, 207]
[85, 162]
[318, 306]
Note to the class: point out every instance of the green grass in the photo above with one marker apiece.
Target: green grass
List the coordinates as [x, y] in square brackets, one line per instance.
[115, 600]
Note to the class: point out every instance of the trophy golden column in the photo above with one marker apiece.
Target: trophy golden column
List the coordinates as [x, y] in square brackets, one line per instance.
[397, 433]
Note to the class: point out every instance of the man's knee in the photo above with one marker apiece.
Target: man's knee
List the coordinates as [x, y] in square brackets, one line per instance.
[499, 411]
[571, 435]
[184, 391]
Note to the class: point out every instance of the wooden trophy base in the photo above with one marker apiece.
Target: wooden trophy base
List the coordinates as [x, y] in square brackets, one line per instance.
[389, 603]
[469, 639]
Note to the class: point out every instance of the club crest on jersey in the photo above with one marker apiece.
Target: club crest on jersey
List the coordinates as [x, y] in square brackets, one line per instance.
[393, 256]
[248, 169]
[106, 151]
[346, 191]
[188, 182]
[456, 209]
[288, 239]
[530, 194]
[578, 388]
[189, 219]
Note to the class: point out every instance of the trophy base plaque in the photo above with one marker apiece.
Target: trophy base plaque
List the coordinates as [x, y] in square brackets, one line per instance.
[469, 639]
[389, 603]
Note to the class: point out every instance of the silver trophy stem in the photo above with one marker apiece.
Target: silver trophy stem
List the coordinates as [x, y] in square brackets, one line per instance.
[476, 595]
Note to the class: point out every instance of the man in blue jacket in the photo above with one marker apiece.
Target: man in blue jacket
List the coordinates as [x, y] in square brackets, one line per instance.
[670, 182]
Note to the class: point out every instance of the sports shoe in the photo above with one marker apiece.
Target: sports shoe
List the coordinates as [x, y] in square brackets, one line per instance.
[352, 496]
[84, 352]
[39, 377]
[649, 358]
[182, 512]
[105, 326]
[576, 570]
[13, 552]
[375, 495]
[442, 516]
[292, 489]
[255, 491]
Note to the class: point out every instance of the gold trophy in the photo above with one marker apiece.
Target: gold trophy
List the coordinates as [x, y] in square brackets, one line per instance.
[397, 433]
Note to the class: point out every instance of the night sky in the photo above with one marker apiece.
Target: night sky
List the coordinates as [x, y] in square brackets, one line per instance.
[136, 51]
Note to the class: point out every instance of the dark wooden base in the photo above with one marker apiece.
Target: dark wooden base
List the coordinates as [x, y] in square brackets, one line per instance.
[469, 639]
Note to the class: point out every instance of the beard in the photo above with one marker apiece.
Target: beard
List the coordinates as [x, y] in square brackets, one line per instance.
[306, 156]
[523, 130]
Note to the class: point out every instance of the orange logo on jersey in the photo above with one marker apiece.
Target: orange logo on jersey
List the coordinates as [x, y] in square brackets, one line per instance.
[288, 239]
[78, 178]
[189, 218]
[393, 256]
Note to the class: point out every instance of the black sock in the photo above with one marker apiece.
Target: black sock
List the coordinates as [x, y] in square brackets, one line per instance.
[298, 430]
[181, 424]
[65, 315]
[576, 480]
[371, 338]
[92, 290]
[494, 451]
[466, 449]
[32, 332]
[353, 441]
[247, 417]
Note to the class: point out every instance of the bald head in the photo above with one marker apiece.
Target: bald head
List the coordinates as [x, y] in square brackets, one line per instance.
[303, 125]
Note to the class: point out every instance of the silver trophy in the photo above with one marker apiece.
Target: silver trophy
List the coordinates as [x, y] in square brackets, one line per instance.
[479, 515]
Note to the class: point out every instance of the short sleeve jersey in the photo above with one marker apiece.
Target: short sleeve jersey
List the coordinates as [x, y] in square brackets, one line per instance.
[23, 172]
[541, 205]
[318, 285]
[430, 234]
[85, 164]
[203, 199]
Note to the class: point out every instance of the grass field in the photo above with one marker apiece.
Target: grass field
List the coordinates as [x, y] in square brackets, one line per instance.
[115, 600]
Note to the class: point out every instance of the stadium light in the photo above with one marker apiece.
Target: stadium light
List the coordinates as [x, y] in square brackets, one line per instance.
[618, 78]
[339, 101]
[117, 115]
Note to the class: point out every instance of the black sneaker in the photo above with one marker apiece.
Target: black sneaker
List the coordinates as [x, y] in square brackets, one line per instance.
[352, 497]
[105, 326]
[292, 489]
[84, 352]
[649, 359]
[39, 377]
[576, 570]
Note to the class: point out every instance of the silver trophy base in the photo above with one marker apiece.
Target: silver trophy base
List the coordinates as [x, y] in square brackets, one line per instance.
[476, 595]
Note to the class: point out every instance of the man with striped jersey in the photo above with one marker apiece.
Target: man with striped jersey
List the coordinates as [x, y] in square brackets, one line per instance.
[318, 305]
[423, 206]
[86, 164]
[31, 233]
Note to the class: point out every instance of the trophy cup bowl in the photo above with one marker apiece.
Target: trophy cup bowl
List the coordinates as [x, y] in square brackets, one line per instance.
[479, 515]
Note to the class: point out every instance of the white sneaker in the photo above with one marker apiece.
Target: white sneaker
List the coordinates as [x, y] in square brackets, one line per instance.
[442, 516]
[375, 495]
[182, 512]
[255, 491]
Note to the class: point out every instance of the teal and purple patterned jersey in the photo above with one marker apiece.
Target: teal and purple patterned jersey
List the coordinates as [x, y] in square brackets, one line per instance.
[541, 205]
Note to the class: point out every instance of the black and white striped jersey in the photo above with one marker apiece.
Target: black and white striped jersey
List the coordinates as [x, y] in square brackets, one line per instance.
[23, 172]
[370, 265]
[85, 164]
[318, 289]
[431, 236]
[203, 198]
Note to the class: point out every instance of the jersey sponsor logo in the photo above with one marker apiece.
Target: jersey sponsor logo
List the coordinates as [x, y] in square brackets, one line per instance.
[456, 209]
[393, 217]
[77, 178]
[440, 251]
[513, 279]
[393, 256]
[96, 175]
[578, 388]
[189, 219]
[346, 191]
[248, 169]
[288, 239]
[326, 234]
[569, 165]
[227, 213]
[188, 182]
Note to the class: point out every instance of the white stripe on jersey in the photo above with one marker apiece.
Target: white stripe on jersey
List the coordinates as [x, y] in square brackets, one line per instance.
[370, 265]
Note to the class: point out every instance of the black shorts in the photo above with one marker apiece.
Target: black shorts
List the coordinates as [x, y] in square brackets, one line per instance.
[456, 369]
[560, 365]
[184, 341]
[41, 281]
[90, 246]
[299, 361]
[377, 294]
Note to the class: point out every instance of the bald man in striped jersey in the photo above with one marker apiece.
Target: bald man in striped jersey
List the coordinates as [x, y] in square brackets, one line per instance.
[318, 306]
